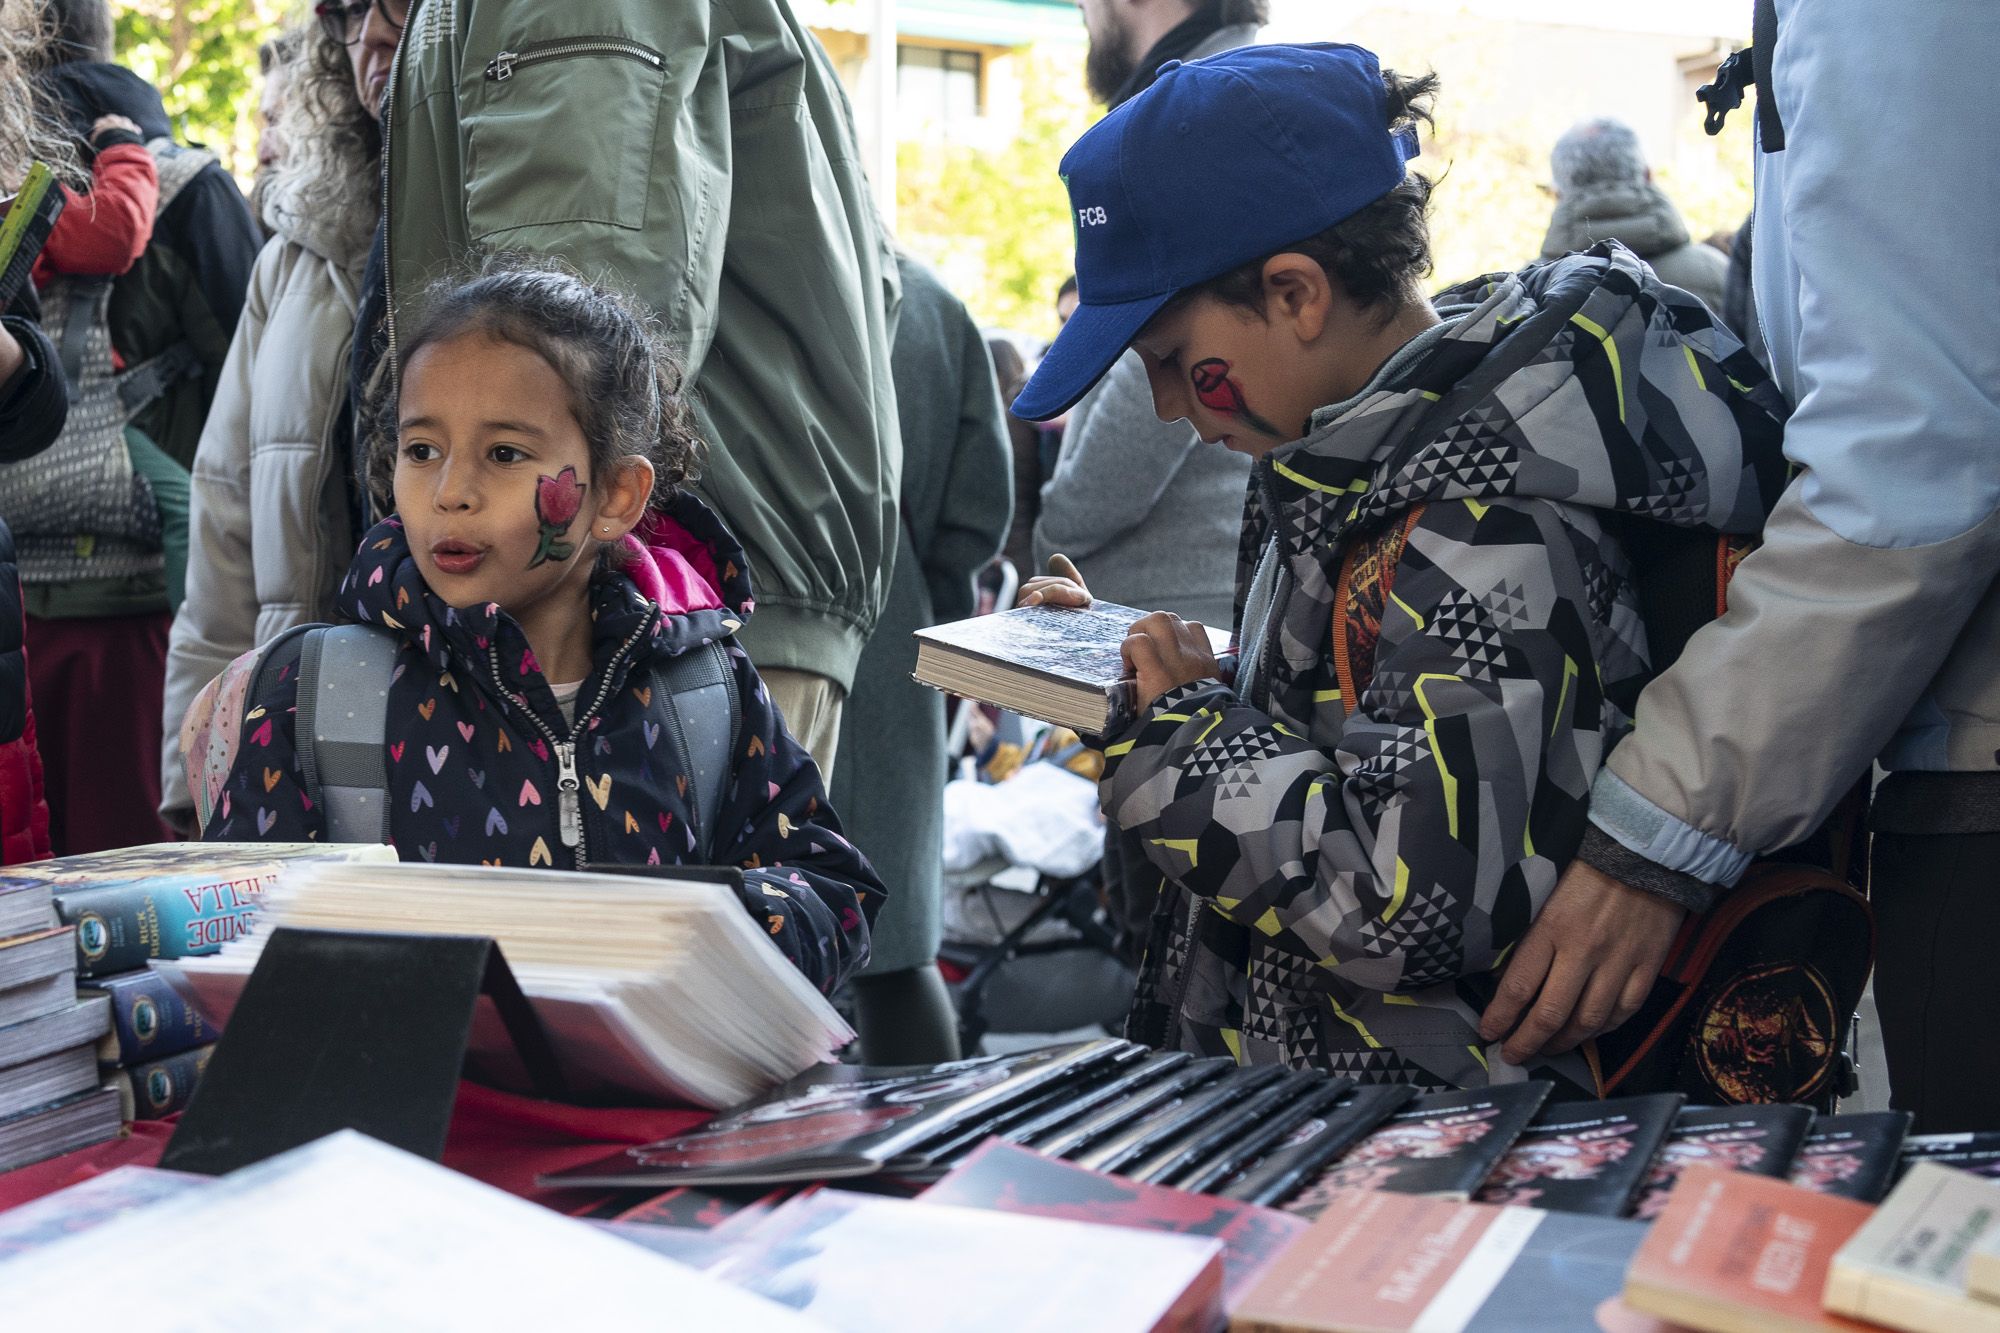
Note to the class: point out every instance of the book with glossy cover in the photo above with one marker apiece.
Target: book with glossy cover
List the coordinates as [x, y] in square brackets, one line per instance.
[88, 1204]
[1061, 664]
[1584, 1157]
[854, 1261]
[1094, 1095]
[839, 1121]
[1854, 1156]
[169, 899]
[158, 1088]
[1389, 1263]
[1277, 1126]
[27, 216]
[1172, 1160]
[1977, 1152]
[1176, 1117]
[1739, 1252]
[1011, 1179]
[1907, 1266]
[1762, 1140]
[1446, 1144]
[1134, 1106]
[940, 1156]
[149, 1018]
[1277, 1174]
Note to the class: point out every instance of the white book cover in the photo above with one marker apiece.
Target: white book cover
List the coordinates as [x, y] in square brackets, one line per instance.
[1906, 1267]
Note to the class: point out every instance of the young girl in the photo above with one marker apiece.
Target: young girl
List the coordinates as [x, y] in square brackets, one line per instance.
[543, 563]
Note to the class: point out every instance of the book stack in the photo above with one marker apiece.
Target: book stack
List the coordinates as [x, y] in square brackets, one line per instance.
[121, 910]
[50, 1101]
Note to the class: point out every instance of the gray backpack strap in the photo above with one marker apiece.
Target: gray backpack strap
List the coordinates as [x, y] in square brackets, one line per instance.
[702, 715]
[342, 723]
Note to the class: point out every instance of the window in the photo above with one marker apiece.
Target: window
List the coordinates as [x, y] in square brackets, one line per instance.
[936, 84]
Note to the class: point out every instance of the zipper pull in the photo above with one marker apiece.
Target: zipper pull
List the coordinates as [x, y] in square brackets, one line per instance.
[501, 67]
[566, 789]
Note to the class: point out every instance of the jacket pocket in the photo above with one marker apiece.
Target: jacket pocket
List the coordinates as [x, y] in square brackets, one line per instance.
[562, 131]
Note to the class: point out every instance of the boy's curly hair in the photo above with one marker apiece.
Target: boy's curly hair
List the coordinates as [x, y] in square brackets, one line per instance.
[626, 389]
[1380, 255]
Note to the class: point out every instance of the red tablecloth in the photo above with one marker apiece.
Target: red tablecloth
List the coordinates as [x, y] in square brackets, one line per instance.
[498, 1137]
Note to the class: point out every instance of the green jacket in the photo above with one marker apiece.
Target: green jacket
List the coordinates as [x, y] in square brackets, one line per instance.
[701, 154]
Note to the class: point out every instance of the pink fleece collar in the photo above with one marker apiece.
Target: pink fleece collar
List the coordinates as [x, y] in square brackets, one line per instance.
[670, 566]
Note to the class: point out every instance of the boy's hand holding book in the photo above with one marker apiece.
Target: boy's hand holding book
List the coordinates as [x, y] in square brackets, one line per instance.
[1061, 586]
[1161, 651]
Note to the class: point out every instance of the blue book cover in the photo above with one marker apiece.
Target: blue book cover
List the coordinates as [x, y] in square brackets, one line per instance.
[157, 1089]
[149, 1019]
[170, 899]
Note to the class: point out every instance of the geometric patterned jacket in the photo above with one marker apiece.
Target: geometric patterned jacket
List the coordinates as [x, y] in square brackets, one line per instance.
[1337, 891]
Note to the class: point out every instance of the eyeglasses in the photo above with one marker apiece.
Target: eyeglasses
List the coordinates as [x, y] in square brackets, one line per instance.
[343, 20]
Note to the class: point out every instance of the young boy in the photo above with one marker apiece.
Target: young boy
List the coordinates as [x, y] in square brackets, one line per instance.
[1439, 633]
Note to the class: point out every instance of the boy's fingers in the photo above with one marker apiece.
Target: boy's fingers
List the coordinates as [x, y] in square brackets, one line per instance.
[1596, 1011]
[1061, 566]
[1518, 985]
[1549, 1014]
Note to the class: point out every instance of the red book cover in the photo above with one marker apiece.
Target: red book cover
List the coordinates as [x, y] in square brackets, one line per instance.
[1738, 1251]
[1010, 1179]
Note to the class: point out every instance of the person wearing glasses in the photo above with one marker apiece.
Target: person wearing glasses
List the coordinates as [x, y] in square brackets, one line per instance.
[273, 522]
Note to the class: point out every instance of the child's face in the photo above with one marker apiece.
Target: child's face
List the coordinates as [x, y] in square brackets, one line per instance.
[1235, 377]
[493, 480]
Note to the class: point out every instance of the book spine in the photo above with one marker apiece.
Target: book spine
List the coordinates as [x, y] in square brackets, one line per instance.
[118, 929]
[149, 1020]
[1880, 1299]
[159, 1088]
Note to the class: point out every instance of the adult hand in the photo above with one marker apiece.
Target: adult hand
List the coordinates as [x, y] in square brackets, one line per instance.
[103, 123]
[1165, 652]
[12, 358]
[1061, 586]
[1584, 967]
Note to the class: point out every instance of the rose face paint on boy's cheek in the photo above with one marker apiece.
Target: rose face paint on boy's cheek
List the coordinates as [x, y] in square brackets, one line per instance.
[1216, 390]
[558, 500]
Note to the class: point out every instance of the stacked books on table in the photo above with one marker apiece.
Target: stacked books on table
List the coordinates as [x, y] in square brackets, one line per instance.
[651, 989]
[50, 1101]
[124, 909]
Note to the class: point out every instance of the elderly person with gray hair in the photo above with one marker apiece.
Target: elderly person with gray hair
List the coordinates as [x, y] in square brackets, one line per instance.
[1605, 192]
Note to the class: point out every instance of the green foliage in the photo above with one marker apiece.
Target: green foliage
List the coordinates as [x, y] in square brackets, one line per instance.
[202, 56]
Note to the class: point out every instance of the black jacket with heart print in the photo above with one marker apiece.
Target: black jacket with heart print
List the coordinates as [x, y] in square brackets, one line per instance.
[472, 724]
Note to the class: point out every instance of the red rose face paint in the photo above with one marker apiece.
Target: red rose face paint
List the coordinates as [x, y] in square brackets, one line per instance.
[1217, 390]
[558, 500]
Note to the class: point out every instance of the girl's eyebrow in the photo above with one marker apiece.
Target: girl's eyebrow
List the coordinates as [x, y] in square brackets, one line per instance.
[488, 427]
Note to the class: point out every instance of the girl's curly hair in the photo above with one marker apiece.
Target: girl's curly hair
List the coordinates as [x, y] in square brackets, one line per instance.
[626, 389]
[329, 185]
[30, 128]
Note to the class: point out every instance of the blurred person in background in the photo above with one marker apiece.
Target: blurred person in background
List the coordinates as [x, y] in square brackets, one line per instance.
[274, 64]
[1605, 192]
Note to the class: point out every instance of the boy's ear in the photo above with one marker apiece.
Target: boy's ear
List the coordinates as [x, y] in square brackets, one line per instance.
[622, 497]
[1299, 292]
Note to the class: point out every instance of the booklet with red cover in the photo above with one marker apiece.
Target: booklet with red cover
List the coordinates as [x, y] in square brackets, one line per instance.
[840, 1121]
[1761, 1140]
[1279, 1173]
[1584, 1157]
[1009, 1179]
[1853, 1156]
[1446, 1143]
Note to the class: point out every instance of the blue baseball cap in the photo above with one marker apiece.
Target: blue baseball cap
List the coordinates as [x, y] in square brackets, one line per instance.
[1222, 161]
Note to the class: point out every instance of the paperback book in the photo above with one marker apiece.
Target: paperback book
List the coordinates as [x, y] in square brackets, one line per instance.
[149, 1019]
[1176, 1118]
[1190, 1151]
[1377, 1262]
[159, 1088]
[1134, 1106]
[1061, 664]
[89, 1203]
[1318, 1102]
[1732, 1251]
[1011, 1179]
[840, 1121]
[37, 974]
[1761, 1140]
[941, 1155]
[63, 1126]
[48, 1078]
[1907, 1266]
[1854, 1156]
[1314, 1143]
[1977, 1152]
[81, 1022]
[27, 216]
[1584, 1157]
[1119, 1083]
[1444, 1144]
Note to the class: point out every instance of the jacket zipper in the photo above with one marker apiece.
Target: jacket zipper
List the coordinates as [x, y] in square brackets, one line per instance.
[501, 68]
[569, 806]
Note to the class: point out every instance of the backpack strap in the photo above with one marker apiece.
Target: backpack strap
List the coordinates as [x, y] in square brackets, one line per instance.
[87, 301]
[1367, 576]
[146, 381]
[702, 716]
[343, 715]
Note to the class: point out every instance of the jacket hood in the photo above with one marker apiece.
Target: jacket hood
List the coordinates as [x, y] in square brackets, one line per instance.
[1641, 217]
[1584, 380]
[683, 585]
[88, 89]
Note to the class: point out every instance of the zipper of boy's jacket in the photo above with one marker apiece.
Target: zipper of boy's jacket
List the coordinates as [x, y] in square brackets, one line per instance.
[501, 68]
[569, 804]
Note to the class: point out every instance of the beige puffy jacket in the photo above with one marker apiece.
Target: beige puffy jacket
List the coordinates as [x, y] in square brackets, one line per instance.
[270, 530]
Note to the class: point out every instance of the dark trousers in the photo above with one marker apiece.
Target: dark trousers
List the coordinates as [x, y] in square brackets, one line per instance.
[1937, 975]
[99, 684]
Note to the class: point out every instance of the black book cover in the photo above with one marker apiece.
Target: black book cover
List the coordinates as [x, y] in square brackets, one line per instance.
[1977, 1152]
[1851, 1156]
[1205, 1173]
[1173, 1118]
[837, 1121]
[1070, 1139]
[1092, 1096]
[1304, 1153]
[1172, 1159]
[936, 1156]
[1761, 1140]
[1584, 1157]
[1444, 1144]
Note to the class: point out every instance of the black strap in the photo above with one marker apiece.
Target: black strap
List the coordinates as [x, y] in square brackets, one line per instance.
[146, 381]
[79, 317]
[1748, 68]
[701, 737]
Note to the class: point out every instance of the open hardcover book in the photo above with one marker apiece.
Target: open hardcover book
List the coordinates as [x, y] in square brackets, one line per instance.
[651, 989]
[1057, 663]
